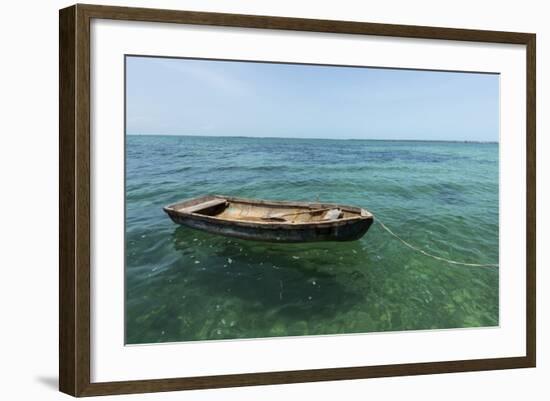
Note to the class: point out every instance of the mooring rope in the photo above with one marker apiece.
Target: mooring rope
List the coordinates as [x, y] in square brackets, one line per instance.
[423, 252]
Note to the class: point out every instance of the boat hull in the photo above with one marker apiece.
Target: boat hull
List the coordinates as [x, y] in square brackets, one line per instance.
[338, 230]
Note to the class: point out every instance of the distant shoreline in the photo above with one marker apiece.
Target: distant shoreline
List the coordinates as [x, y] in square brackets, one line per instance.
[312, 138]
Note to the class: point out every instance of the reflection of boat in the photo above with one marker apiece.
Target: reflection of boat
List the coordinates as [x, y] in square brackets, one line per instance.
[273, 221]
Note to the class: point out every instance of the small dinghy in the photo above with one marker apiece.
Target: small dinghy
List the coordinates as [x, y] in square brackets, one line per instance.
[272, 221]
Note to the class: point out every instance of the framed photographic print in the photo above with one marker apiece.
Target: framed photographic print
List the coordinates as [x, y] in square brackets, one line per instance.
[251, 200]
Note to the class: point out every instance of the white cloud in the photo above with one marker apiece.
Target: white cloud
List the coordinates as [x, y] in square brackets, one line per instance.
[218, 80]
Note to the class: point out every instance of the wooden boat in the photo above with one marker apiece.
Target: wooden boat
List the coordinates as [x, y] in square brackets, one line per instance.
[273, 221]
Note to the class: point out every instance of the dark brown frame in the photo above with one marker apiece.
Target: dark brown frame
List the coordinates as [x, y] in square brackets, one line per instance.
[74, 199]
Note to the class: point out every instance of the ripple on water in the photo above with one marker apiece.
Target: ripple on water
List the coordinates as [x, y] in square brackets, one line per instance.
[186, 285]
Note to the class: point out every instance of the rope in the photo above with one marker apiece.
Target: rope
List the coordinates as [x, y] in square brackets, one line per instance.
[423, 252]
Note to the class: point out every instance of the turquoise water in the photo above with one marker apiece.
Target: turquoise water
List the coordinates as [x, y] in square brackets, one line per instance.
[184, 285]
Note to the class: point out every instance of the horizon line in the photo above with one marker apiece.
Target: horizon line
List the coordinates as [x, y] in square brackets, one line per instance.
[329, 139]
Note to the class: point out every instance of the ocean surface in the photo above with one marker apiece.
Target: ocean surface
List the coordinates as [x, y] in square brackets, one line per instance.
[186, 285]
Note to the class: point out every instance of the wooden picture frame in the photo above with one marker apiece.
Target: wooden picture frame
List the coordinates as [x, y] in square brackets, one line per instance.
[74, 199]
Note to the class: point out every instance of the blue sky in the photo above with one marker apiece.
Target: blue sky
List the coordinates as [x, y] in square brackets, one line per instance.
[228, 98]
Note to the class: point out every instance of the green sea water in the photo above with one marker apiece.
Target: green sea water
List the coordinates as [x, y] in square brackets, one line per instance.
[185, 285]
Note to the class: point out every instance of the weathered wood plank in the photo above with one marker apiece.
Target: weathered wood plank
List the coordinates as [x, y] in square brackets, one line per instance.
[202, 206]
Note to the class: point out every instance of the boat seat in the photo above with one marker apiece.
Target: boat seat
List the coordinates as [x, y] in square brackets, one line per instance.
[202, 206]
[332, 214]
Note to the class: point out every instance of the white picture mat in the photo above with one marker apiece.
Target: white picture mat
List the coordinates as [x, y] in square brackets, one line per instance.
[112, 361]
